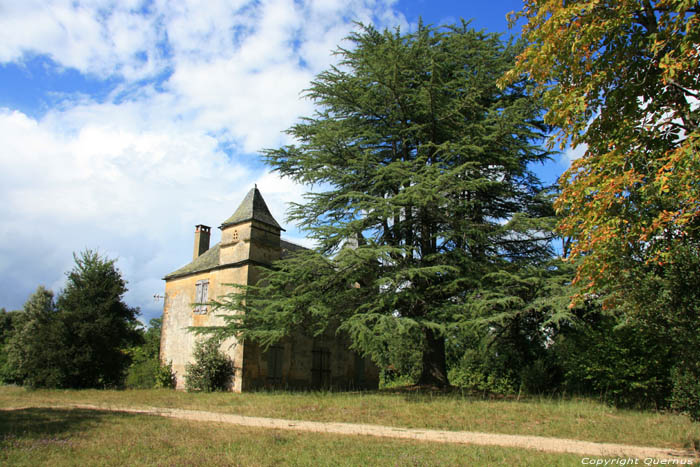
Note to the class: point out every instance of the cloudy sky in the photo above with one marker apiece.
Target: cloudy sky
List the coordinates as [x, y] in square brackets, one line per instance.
[123, 123]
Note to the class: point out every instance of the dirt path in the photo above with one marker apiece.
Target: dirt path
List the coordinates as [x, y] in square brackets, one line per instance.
[539, 443]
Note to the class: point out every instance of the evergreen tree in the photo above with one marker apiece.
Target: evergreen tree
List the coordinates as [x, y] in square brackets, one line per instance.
[9, 322]
[99, 326]
[422, 165]
[36, 352]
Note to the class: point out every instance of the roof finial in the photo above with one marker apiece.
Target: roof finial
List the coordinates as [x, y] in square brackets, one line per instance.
[256, 186]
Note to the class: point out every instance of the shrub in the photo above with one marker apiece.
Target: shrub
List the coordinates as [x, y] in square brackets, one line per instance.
[477, 372]
[540, 377]
[211, 370]
[142, 374]
[625, 365]
[165, 376]
[686, 393]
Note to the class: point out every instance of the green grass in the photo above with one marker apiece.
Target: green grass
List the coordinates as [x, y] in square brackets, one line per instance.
[60, 437]
[576, 418]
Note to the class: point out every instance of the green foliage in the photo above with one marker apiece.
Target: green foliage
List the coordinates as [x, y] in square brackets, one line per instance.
[541, 376]
[211, 371]
[145, 368]
[686, 391]
[142, 374]
[81, 340]
[666, 299]
[473, 372]
[98, 324]
[36, 352]
[165, 377]
[422, 165]
[622, 363]
[518, 311]
[9, 322]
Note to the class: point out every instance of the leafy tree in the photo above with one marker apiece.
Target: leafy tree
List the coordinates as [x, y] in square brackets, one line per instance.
[36, 352]
[622, 363]
[621, 77]
[666, 299]
[422, 165]
[146, 370]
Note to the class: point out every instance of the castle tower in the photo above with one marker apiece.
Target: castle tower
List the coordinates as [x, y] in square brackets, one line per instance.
[250, 242]
[251, 234]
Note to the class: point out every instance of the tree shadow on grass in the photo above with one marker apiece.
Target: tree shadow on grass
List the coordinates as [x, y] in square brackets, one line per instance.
[46, 426]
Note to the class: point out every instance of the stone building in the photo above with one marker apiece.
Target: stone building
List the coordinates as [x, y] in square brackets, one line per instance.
[250, 240]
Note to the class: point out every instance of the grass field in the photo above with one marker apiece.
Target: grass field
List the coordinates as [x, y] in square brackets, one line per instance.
[78, 437]
[71, 437]
[562, 418]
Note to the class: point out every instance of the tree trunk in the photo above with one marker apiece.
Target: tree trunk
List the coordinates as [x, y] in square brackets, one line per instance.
[434, 371]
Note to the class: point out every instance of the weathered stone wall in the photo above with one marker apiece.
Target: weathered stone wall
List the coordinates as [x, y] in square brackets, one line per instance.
[347, 369]
[250, 241]
[177, 342]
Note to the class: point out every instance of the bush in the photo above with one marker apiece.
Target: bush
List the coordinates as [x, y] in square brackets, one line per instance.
[539, 377]
[211, 370]
[165, 376]
[625, 365]
[142, 375]
[146, 371]
[477, 372]
[686, 393]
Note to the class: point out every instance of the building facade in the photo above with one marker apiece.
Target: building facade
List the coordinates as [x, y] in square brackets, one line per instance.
[250, 240]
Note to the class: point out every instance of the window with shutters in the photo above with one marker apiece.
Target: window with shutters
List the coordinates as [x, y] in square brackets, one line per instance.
[321, 368]
[201, 296]
[275, 355]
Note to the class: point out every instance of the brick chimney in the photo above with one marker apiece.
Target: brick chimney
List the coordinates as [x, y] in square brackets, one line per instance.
[201, 240]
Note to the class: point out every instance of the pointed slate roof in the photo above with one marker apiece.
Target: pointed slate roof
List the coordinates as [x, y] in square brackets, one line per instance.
[252, 207]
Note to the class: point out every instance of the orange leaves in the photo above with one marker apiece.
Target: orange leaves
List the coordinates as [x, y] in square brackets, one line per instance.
[636, 187]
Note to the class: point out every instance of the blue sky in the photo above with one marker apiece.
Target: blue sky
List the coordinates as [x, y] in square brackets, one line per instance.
[125, 122]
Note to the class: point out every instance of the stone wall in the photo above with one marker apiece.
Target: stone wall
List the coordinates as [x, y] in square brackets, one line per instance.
[177, 342]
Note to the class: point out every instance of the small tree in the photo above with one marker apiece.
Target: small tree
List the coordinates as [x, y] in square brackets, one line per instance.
[211, 370]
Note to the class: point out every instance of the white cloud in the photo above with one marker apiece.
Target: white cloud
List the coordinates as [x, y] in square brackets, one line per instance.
[573, 153]
[100, 37]
[130, 194]
[132, 174]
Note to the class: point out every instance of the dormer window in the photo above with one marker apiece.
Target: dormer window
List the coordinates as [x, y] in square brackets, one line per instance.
[201, 296]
